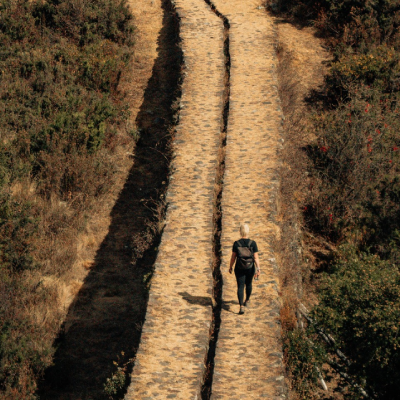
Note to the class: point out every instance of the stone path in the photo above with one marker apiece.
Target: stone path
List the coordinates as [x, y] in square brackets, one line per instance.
[248, 358]
[170, 360]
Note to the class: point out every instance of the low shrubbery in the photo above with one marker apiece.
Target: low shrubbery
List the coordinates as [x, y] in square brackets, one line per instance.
[352, 206]
[304, 360]
[359, 24]
[379, 67]
[59, 78]
[359, 304]
[355, 177]
[62, 115]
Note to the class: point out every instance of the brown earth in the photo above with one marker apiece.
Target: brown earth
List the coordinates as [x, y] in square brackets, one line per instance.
[303, 64]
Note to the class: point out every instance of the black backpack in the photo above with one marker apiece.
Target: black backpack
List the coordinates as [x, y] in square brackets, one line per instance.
[245, 256]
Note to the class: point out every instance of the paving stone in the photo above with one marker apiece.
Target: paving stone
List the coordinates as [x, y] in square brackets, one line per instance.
[170, 359]
[171, 356]
[251, 165]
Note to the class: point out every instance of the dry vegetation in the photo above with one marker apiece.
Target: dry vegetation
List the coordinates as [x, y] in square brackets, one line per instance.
[302, 66]
[64, 139]
[60, 179]
[340, 206]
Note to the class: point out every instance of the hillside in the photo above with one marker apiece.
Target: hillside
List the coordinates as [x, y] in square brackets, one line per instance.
[136, 137]
[68, 133]
[344, 221]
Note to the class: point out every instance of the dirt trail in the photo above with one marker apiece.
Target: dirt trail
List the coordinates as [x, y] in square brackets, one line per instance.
[175, 338]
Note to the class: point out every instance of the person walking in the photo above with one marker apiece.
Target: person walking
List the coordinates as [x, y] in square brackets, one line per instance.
[245, 253]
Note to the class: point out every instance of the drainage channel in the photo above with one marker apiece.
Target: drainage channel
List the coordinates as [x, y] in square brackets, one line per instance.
[206, 388]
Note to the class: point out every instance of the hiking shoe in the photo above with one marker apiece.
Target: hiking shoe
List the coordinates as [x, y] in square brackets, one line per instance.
[247, 302]
[241, 310]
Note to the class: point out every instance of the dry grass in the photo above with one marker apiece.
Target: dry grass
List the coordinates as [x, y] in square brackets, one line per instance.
[69, 235]
[301, 69]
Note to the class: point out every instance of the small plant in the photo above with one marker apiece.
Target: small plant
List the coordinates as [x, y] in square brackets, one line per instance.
[115, 385]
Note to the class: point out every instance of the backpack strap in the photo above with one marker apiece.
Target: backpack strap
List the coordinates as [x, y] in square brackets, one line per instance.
[249, 246]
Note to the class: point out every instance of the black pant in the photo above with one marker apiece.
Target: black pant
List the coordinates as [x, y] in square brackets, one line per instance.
[244, 277]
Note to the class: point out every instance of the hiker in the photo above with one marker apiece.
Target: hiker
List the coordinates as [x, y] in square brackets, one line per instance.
[245, 253]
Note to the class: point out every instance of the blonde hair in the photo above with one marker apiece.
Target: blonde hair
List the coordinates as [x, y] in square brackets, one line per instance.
[244, 230]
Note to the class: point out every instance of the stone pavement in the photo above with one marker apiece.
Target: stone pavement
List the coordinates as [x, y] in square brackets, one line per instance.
[248, 362]
[175, 336]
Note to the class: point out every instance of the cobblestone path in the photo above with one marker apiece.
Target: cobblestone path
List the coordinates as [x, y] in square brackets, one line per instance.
[248, 357]
[175, 336]
[170, 360]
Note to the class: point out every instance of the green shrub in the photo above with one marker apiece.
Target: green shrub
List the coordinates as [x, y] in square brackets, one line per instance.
[87, 22]
[359, 304]
[379, 67]
[302, 358]
[17, 226]
[115, 385]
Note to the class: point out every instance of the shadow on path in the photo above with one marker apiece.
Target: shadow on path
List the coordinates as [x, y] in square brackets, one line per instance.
[199, 300]
[206, 301]
[104, 322]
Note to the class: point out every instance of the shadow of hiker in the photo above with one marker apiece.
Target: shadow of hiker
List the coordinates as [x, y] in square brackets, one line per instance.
[225, 305]
[199, 300]
[206, 301]
[104, 322]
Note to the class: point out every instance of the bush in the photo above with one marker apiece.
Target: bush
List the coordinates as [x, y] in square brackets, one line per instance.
[302, 358]
[355, 186]
[359, 304]
[17, 227]
[356, 23]
[87, 22]
[380, 67]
